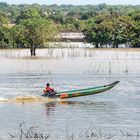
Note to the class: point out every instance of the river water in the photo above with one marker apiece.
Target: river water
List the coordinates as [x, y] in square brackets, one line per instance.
[116, 111]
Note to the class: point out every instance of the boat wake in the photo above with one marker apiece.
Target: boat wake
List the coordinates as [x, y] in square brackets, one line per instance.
[22, 99]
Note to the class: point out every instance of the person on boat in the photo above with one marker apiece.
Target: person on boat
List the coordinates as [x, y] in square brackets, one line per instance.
[48, 91]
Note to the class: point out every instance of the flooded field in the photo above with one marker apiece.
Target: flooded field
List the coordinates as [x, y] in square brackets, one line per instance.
[115, 112]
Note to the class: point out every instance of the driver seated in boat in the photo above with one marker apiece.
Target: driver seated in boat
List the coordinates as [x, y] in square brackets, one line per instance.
[48, 91]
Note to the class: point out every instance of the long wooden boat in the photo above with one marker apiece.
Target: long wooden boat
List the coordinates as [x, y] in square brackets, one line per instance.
[84, 92]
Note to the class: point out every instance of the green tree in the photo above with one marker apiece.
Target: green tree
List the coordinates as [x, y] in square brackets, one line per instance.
[122, 31]
[28, 13]
[3, 19]
[98, 30]
[18, 36]
[91, 33]
[6, 40]
[135, 38]
[35, 33]
[109, 30]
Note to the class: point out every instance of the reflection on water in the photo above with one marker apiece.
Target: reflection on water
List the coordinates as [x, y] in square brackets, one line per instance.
[50, 107]
[114, 110]
[84, 103]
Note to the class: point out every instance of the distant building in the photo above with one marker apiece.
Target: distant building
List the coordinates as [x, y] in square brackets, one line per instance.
[71, 36]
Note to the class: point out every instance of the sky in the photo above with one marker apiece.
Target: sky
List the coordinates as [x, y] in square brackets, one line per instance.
[74, 2]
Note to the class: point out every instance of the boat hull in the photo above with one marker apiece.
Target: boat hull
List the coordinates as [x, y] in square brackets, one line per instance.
[84, 92]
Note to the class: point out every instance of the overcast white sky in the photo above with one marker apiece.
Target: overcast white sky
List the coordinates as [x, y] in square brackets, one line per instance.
[74, 2]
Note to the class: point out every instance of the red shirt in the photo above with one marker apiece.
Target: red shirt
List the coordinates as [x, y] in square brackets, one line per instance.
[49, 89]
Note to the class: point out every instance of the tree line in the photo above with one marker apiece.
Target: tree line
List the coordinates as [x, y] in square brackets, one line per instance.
[113, 30]
[34, 25]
